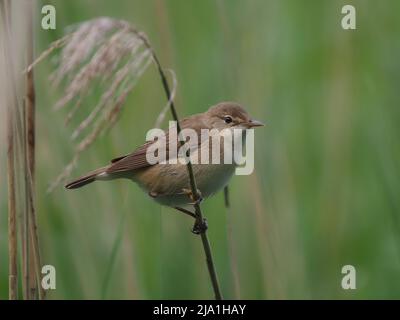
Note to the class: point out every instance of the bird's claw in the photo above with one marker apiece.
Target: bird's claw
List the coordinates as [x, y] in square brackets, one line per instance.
[195, 199]
[200, 226]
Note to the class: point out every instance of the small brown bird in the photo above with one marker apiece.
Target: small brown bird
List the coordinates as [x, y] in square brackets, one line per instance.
[168, 183]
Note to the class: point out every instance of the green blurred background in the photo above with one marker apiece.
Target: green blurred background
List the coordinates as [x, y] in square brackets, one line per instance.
[325, 191]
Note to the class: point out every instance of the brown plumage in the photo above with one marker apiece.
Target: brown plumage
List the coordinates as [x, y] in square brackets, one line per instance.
[166, 182]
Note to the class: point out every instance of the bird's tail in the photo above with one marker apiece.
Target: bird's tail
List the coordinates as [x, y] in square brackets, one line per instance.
[98, 174]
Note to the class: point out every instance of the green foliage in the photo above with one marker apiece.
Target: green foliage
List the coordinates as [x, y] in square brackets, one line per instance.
[325, 189]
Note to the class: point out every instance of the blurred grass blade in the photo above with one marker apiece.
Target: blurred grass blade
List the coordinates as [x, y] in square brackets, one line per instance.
[113, 255]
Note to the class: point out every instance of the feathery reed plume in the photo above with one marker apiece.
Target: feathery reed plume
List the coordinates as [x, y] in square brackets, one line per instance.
[95, 54]
[104, 51]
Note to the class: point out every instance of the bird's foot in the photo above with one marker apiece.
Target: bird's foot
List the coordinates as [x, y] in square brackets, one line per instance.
[200, 226]
[196, 199]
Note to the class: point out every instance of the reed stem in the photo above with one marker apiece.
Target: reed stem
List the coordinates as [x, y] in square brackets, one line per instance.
[12, 221]
[231, 245]
[5, 11]
[35, 288]
[193, 185]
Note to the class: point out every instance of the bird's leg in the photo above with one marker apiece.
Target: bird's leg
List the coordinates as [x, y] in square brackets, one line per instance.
[200, 226]
[188, 212]
[195, 199]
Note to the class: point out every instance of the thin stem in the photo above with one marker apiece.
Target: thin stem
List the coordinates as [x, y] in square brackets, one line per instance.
[114, 251]
[11, 178]
[25, 215]
[189, 213]
[193, 185]
[12, 225]
[12, 221]
[35, 287]
[35, 247]
[231, 245]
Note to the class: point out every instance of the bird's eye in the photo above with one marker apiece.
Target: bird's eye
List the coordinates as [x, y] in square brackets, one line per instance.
[228, 119]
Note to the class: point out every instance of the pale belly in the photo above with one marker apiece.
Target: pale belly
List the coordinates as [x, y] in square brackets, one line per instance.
[168, 181]
[165, 183]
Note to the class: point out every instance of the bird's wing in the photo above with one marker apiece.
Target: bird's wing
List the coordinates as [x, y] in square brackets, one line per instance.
[137, 159]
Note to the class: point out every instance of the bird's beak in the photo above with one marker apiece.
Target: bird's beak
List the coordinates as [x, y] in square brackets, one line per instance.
[254, 123]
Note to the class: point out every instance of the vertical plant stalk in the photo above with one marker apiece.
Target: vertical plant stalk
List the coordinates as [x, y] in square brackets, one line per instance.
[196, 196]
[11, 178]
[35, 289]
[193, 186]
[12, 221]
[24, 234]
[20, 158]
[231, 247]
[24, 214]
[109, 52]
